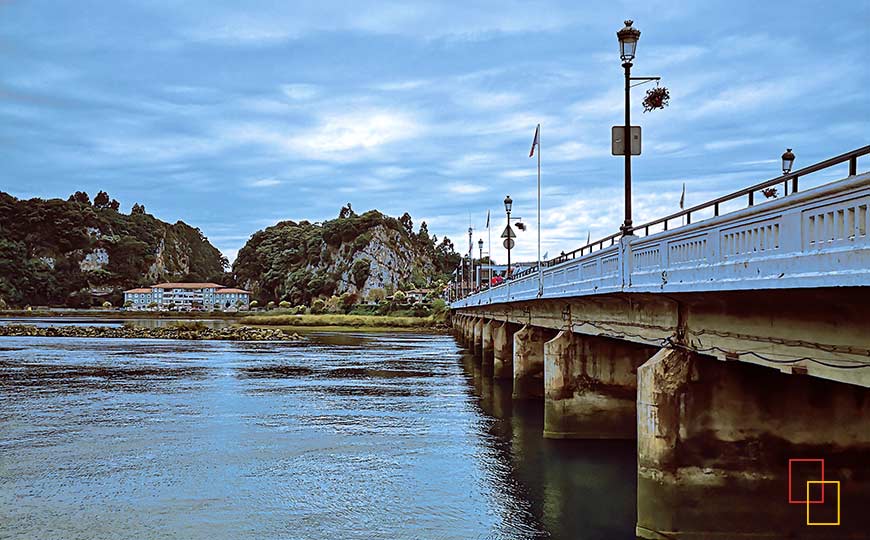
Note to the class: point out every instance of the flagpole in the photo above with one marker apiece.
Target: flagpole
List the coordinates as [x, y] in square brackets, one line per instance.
[489, 250]
[540, 269]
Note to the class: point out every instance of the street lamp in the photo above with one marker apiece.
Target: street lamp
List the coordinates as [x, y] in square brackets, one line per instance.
[508, 204]
[787, 161]
[628, 38]
[480, 259]
[469, 263]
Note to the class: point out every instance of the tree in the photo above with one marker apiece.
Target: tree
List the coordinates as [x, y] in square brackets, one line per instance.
[101, 201]
[400, 296]
[107, 305]
[348, 300]
[152, 305]
[114, 205]
[128, 304]
[346, 212]
[270, 305]
[423, 235]
[318, 306]
[254, 304]
[284, 304]
[80, 197]
[376, 295]
[407, 223]
[333, 305]
[360, 272]
[137, 210]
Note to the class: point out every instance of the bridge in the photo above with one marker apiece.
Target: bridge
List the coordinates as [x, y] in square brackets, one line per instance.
[725, 345]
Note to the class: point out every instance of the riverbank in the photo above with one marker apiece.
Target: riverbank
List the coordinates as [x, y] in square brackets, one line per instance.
[378, 322]
[118, 314]
[194, 331]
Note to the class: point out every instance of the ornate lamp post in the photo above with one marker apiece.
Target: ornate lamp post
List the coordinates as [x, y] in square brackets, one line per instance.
[628, 38]
[508, 204]
[787, 161]
[480, 259]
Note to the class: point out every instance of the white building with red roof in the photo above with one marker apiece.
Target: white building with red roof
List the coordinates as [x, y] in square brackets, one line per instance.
[187, 297]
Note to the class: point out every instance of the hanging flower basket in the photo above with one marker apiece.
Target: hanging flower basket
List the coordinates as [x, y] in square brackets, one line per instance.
[770, 192]
[656, 98]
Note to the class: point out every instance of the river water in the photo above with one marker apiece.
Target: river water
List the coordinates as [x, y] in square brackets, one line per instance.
[369, 436]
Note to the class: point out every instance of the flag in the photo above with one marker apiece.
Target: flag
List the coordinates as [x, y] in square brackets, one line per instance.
[487, 219]
[537, 140]
[588, 237]
[683, 197]
[545, 255]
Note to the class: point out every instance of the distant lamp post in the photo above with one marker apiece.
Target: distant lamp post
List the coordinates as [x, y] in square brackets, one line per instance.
[508, 204]
[787, 161]
[480, 259]
[470, 270]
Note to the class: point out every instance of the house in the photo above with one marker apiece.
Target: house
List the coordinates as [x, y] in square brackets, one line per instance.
[187, 296]
[417, 295]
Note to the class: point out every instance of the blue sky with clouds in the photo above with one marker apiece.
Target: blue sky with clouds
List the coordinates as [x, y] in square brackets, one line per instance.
[234, 115]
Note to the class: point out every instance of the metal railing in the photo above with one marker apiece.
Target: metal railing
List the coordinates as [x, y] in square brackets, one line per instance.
[786, 180]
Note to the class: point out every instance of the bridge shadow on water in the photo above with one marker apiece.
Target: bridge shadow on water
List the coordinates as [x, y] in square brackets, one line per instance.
[583, 490]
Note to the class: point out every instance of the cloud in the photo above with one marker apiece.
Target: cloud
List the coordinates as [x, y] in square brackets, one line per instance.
[265, 182]
[398, 86]
[299, 92]
[337, 136]
[575, 151]
[465, 188]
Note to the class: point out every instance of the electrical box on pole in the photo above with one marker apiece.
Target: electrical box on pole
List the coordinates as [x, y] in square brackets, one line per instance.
[617, 141]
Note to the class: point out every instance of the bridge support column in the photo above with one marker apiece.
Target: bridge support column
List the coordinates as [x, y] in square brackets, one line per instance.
[528, 361]
[477, 336]
[469, 333]
[714, 444]
[590, 386]
[487, 347]
[503, 350]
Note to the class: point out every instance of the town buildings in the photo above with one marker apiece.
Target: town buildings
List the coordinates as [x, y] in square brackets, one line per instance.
[187, 297]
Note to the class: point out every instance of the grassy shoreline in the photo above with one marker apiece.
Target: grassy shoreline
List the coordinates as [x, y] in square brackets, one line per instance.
[325, 322]
[347, 321]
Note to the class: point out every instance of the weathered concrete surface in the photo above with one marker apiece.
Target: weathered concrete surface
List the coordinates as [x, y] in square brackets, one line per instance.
[714, 440]
[528, 361]
[487, 347]
[477, 337]
[590, 386]
[761, 327]
[503, 350]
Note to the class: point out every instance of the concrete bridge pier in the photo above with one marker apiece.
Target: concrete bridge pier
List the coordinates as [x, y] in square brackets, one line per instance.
[590, 386]
[503, 350]
[486, 353]
[714, 443]
[528, 362]
[458, 324]
[469, 333]
[477, 337]
[459, 327]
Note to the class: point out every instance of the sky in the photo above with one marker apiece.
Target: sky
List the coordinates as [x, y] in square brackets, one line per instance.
[232, 116]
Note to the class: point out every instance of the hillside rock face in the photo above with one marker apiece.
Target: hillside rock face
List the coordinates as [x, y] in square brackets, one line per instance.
[353, 254]
[55, 252]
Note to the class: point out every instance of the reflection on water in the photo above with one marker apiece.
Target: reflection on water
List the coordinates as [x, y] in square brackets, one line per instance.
[343, 436]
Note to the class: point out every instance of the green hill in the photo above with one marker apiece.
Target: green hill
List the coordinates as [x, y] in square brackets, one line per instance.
[367, 255]
[78, 253]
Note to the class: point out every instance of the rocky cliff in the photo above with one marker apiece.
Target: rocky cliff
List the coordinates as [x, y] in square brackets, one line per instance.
[365, 255]
[55, 252]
